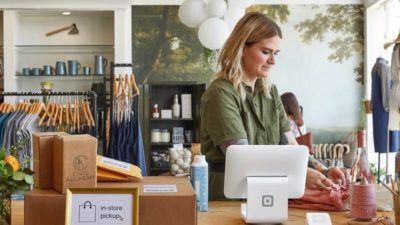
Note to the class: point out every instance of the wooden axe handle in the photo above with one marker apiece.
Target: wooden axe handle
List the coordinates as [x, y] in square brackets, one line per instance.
[59, 30]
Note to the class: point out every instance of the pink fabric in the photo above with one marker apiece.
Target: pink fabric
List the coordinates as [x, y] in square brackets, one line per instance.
[331, 200]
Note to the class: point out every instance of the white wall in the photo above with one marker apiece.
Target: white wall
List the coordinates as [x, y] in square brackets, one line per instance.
[17, 35]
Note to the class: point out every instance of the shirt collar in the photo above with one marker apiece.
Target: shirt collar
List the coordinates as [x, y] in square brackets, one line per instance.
[258, 87]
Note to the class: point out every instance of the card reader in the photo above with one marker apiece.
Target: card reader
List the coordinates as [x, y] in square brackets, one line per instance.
[318, 219]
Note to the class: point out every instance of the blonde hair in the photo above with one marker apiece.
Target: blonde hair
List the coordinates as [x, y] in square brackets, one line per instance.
[251, 28]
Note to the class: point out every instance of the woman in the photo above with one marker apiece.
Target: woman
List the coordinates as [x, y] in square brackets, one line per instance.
[241, 106]
[294, 114]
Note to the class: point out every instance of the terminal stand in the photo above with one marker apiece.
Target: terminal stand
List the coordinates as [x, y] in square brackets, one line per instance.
[267, 200]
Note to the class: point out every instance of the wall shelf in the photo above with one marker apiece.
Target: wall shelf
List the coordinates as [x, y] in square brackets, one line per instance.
[61, 78]
[172, 119]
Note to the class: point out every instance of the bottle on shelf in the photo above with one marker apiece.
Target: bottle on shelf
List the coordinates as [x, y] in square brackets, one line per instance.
[199, 180]
[155, 112]
[176, 108]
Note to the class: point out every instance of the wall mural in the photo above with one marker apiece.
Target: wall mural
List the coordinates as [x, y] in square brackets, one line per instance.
[321, 58]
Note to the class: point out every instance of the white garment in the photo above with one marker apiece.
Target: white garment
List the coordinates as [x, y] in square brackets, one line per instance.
[295, 128]
[394, 95]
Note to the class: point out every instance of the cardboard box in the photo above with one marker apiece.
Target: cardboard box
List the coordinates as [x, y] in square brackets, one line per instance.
[43, 158]
[44, 207]
[74, 162]
[155, 208]
[164, 208]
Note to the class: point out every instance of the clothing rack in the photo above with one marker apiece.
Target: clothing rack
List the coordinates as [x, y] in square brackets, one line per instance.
[90, 94]
[108, 100]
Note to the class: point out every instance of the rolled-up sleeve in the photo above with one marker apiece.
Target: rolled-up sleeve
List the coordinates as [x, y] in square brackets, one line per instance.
[221, 117]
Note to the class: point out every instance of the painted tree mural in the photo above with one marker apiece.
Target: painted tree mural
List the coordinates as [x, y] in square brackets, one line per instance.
[346, 23]
[164, 49]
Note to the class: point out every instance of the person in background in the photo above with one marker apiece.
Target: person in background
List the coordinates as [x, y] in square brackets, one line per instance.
[294, 113]
[242, 106]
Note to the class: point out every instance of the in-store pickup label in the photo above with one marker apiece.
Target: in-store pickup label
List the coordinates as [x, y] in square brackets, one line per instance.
[160, 188]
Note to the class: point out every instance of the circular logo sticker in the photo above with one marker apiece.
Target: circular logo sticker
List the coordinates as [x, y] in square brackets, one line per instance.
[80, 162]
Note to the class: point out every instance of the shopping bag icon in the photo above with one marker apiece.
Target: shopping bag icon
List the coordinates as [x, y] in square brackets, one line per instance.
[87, 212]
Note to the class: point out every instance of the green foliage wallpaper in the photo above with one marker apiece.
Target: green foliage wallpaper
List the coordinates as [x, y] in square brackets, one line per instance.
[166, 50]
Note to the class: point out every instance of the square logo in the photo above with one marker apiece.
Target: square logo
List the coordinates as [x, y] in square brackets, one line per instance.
[267, 200]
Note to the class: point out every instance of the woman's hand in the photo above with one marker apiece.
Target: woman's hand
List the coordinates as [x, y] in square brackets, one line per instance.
[338, 175]
[317, 181]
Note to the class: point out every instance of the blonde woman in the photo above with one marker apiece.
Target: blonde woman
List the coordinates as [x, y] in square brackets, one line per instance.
[241, 106]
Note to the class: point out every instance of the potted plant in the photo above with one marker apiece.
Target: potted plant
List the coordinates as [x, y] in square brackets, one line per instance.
[15, 178]
[367, 106]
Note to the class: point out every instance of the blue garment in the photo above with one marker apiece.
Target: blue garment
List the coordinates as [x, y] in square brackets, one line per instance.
[379, 99]
[127, 142]
[139, 158]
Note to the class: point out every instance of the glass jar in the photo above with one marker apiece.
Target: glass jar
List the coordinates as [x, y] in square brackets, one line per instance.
[155, 135]
[165, 136]
[180, 161]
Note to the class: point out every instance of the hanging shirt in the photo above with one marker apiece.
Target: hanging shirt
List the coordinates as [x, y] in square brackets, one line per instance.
[394, 101]
[379, 98]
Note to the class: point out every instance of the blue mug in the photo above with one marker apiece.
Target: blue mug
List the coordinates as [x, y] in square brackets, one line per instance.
[100, 64]
[86, 70]
[60, 68]
[73, 67]
[36, 71]
[26, 71]
[48, 70]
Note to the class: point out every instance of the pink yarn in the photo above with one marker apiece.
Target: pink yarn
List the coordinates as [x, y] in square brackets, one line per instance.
[363, 201]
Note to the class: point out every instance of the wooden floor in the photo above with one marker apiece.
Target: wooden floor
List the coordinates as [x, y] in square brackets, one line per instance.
[220, 213]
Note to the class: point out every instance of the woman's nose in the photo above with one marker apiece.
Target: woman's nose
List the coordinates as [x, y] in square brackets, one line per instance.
[271, 59]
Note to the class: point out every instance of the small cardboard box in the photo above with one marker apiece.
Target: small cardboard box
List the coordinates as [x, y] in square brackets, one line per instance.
[163, 207]
[74, 162]
[44, 207]
[43, 158]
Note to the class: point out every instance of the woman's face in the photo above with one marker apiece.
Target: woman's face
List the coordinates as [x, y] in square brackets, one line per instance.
[259, 58]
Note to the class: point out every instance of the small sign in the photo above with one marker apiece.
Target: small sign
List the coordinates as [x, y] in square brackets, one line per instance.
[160, 188]
[106, 206]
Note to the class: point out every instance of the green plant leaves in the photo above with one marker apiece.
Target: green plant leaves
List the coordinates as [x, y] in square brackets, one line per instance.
[19, 175]
[29, 179]
[2, 154]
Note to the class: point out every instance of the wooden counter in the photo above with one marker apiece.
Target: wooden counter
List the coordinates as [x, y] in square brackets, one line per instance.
[221, 213]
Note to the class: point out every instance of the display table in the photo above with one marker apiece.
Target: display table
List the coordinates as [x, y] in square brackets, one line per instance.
[221, 213]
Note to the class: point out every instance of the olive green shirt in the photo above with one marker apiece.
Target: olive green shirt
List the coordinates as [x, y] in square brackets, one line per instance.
[225, 116]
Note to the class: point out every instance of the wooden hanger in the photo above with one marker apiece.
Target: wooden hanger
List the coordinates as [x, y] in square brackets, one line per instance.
[90, 113]
[85, 114]
[78, 125]
[45, 114]
[2, 107]
[388, 44]
[135, 87]
[51, 115]
[67, 110]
